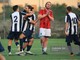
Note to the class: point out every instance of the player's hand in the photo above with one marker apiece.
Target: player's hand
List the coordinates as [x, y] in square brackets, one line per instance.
[66, 33]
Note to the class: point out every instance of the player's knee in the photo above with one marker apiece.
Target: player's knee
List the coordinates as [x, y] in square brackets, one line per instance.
[32, 39]
[21, 36]
[68, 44]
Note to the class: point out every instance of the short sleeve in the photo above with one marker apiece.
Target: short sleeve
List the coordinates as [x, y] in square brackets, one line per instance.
[41, 12]
[67, 18]
[51, 14]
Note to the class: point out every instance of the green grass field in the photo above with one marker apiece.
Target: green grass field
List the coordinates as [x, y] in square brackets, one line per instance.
[53, 54]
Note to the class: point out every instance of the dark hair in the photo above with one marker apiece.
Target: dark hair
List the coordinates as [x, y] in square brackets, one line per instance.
[30, 7]
[69, 8]
[47, 2]
[15, 7]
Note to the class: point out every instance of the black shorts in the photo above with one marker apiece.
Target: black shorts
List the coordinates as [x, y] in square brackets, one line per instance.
[26, 40]
[28, 33]
[72, 38]
[14, 35]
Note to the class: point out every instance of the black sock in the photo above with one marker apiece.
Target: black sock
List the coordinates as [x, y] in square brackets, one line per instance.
[21, 44]
[9, 48]
[17, 43]
[29, 47]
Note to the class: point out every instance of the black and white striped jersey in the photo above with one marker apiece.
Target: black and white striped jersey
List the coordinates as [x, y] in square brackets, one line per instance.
[27, 24]
[72, 19]
[16, 22]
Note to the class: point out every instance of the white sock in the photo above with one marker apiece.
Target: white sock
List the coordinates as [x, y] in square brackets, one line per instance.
[45, 49]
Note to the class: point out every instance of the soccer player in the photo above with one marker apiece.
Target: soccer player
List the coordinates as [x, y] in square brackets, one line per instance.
[29, 41]
[15, 27]
[71, 26]
[28, 28]
[45, 16]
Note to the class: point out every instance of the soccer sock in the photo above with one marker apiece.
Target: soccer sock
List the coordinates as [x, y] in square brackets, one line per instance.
[29, 47]
[17, 43]
[9, 48]
[21, 44]
[45, 49]
[70, 49]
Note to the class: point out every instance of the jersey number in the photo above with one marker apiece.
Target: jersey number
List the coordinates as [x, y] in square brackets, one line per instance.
[74, 20]
[15, 19]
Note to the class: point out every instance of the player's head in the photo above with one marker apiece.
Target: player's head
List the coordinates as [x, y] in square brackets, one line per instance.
[69, 9]
[29, 8]
[15, 8]
[48, 5]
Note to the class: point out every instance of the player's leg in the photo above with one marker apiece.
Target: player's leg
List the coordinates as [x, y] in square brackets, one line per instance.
[25, 43]
[17, 44]
[42, 38]
[30, 42]
[17, 34]
[45, 43]
[47, 34]
[70, 48]
[42, 42]
[77, 42]
[69, 40]
[22, 36]
[10, 38]
[9, 46]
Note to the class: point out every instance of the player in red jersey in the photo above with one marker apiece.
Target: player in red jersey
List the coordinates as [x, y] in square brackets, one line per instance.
[45, 16]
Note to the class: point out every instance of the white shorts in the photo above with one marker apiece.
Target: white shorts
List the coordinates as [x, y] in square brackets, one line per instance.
[44, 32]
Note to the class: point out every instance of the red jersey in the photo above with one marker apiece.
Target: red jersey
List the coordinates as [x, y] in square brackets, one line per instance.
[45, 22]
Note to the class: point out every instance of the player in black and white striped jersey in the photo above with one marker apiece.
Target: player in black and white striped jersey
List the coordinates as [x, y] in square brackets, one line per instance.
[29, 41]
[15, 27]
[28, 28]
[71, 29]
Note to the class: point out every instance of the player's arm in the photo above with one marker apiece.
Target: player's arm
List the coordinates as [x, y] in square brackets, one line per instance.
[66, 25]
[50, 15]
[32, 19]
[41, 14]
[79, 22]
[29, 14]
[32, 22]
[66, 28]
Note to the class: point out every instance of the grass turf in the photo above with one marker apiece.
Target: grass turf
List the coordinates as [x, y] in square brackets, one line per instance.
[36, 48]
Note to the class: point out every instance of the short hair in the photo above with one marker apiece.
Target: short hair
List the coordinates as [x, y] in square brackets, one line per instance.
[69, 8]
[47, 2]
[30, 7]
[15, 7]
